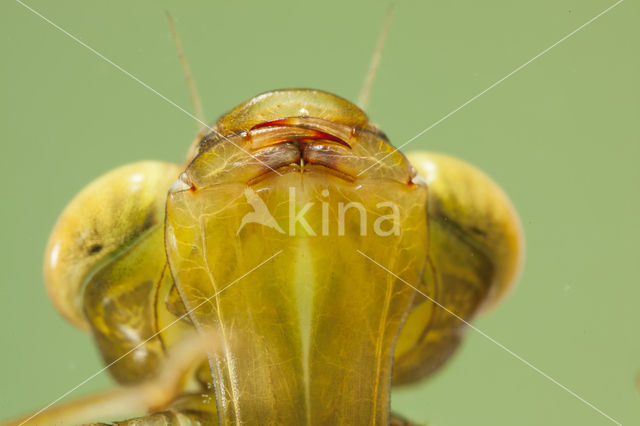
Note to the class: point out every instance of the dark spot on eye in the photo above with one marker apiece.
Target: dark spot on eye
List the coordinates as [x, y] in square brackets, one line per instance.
[149, 220]
[96, 248]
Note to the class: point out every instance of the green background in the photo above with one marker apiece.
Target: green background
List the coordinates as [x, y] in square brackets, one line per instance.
[561, 136]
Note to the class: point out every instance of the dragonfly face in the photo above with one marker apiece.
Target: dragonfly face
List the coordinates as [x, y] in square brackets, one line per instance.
[328, 264]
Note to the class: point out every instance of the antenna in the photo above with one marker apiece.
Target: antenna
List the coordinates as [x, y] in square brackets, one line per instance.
[196, 104]
[365, 92]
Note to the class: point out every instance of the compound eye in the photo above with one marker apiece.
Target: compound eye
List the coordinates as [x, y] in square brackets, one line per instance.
[475, 250]
[105, 217]
[483, 214]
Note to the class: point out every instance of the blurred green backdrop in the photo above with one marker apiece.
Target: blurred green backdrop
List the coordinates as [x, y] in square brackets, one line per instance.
[561, 136]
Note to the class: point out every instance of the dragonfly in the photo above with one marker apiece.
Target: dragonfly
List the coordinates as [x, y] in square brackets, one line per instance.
[293, 270]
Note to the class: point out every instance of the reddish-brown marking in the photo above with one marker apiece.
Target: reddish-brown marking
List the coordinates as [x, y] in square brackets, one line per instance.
[286, 122]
